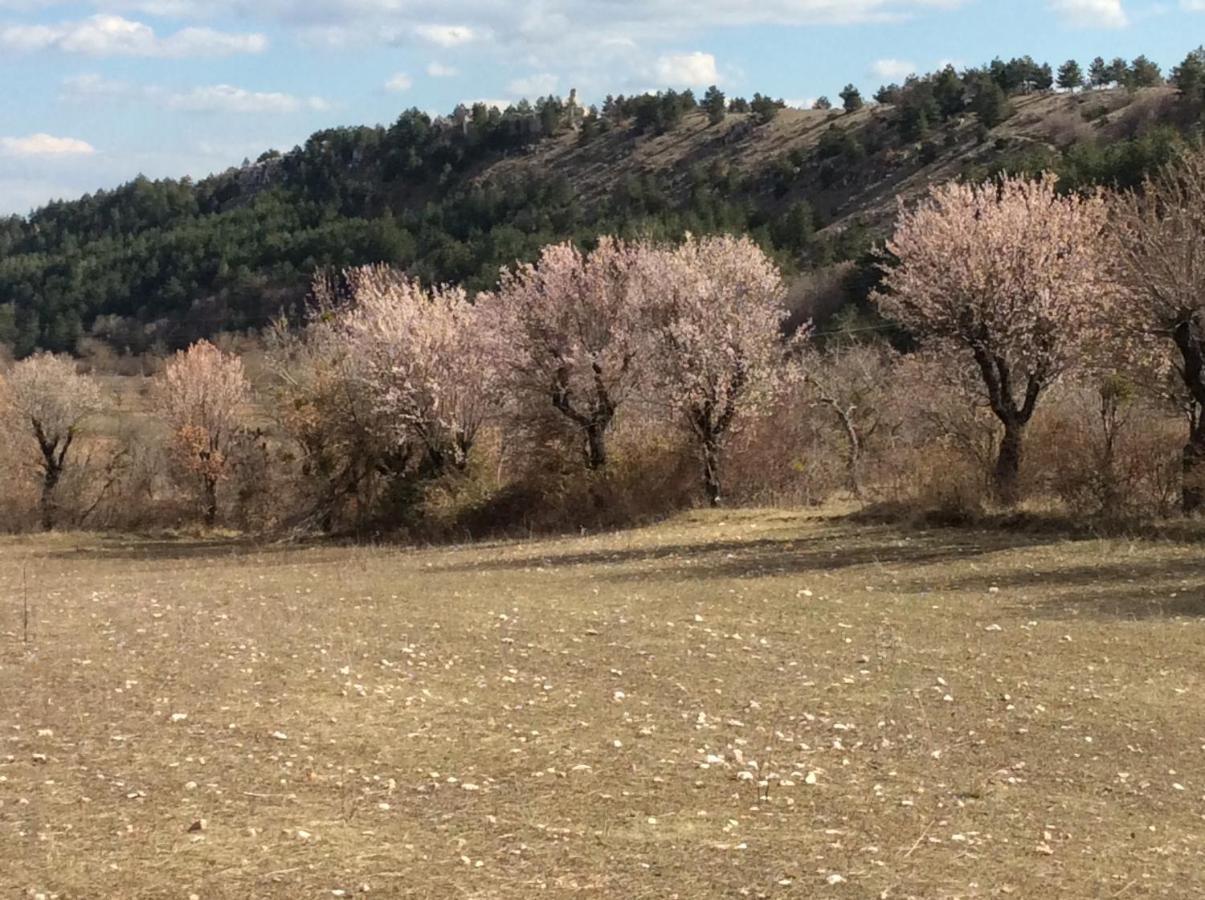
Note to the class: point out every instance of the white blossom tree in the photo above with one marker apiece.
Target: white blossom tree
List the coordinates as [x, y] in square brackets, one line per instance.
[203, 395]
[46, 397]
[715, 315]
[427, 358]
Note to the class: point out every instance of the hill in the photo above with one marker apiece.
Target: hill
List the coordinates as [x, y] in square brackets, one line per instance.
[161, 263]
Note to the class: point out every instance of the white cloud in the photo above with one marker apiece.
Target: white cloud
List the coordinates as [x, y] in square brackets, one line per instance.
[227, 98]
[892, 69]
[108, 35]
[687, 70]
[44, 145]
[607, 45]
[447, 35]
[493, 102]
[219, 98]
[547, 16]
[82, 88]
[1092, 13]
[399, 83]
[439, 70]
[533, 86]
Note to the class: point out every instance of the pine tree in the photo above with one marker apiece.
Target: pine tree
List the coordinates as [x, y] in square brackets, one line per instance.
[1071, 76]
[1189, 76]
[851, 98]
[823, 104]
[990, 104]
[888, 94]
[1118, 71]
[1098, 73]
[715, 105]
[1144, 72]
[765, 109]
[950, 92]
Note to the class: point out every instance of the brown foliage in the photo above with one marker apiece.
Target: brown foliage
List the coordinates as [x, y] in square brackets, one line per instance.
[1161, 268]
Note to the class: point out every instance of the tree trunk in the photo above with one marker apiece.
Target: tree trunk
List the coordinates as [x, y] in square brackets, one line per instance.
[596, 446]
[211, 501]
[711, 470]
[853, 458]
[1192, 491]
[594, 418]
[50, 481]
[1188, 340]
[1014, 415]
[1008, 464]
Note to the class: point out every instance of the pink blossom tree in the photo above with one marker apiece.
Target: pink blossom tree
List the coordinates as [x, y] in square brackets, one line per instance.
[47, 398]
[427, 358]
[715, 316]
[203, 395]
[569, 335]
[1007, 277]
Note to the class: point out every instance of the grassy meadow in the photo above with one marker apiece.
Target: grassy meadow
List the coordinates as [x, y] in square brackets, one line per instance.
[739, 704]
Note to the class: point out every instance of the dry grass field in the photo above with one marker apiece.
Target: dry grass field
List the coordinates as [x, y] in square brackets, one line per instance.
[742, 704]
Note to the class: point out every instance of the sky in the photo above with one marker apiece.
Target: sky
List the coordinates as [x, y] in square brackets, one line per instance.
[94, 93]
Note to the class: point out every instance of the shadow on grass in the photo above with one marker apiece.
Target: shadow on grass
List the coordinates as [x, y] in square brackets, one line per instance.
[1139, 588]
[837, 548]
[168, 549]
[1142, 588]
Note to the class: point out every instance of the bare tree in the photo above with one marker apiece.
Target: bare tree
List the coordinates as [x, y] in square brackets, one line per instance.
[324, 402]
[46, 395]
[1161, 256]
[852, 383]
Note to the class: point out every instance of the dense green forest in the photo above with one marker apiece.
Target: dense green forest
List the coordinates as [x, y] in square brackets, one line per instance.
[160, 263]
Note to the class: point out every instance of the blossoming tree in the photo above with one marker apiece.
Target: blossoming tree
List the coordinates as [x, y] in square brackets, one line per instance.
[715, 315]
[47, 398]
[203, 395]
[427, 358]
[1007, 277]
[569, 335]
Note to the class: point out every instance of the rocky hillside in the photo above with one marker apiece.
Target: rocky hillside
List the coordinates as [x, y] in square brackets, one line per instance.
[849, 167]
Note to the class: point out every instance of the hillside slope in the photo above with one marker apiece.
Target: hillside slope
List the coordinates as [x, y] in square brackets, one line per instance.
[786, 156]
[162, 263]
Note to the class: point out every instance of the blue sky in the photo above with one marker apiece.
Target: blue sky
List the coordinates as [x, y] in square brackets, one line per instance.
[94, 93]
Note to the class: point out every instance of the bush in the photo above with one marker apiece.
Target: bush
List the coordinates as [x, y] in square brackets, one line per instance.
[1107, 454]
[514, 487]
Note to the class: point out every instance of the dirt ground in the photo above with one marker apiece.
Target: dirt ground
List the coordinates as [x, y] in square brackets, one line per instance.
[757, 704]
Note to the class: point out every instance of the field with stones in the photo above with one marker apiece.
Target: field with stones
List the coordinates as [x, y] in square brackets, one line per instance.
[754, 704]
